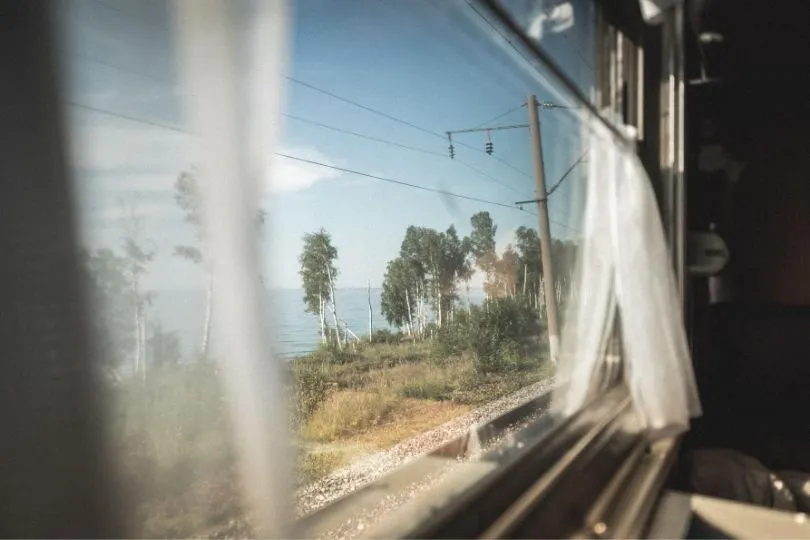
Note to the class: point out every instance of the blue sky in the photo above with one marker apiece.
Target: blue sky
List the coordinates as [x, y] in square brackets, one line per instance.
[420, 61]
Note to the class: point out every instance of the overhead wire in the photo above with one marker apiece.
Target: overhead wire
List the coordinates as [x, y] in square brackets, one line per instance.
[399, 182]
[313, 162]
[398, 120]
[403, 146]
[128, 117]
[566, 174]
[308, 121]
[496, 118]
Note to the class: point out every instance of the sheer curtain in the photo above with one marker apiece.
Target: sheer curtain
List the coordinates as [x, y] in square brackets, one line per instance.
[625, 268]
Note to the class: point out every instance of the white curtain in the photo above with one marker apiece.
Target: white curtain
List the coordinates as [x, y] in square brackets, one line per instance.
[653, 10]
[624, 264]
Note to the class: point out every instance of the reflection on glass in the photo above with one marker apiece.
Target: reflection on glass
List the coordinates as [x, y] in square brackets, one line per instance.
[406, 283]
[565, 30]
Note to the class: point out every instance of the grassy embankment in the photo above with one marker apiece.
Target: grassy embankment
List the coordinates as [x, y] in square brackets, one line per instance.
[173, 435]
[388, 392]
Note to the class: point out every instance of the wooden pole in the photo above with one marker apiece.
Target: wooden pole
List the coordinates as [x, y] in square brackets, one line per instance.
[545, 233]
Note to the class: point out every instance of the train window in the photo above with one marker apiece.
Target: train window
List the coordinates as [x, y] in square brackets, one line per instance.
[404, 274]
[566, 30]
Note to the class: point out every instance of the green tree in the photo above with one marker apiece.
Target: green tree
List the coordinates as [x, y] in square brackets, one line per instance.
[397, 301]
[137, 257]
[110, 293]
[318, 275]
[453, 267]
[436, 262]
[530, 266]
[163, 346]
[187, 197]
[504, 283]
[482, 243]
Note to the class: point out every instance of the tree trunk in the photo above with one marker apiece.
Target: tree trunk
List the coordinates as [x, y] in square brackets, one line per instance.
[136, 367]
[145, 352]
[370, 317]
[410, 317]
[525, 276]
[467, 286]
[439, 310]
[323, 317]
[334, 307]
[209, 307]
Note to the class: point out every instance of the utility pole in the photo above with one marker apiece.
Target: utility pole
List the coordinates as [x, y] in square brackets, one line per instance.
[542, 205]
[545, 234]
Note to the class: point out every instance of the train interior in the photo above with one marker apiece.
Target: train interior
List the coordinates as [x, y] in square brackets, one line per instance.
[748, 168]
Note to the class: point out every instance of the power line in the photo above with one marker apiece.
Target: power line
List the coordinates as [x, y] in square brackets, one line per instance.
[132, 16]
[127, 117]
[565, 174]
[398, 120]
[362, 136]
[364, 107]
[398, 182]
[510, 111]
[416, 186]
[403, 146]
[389, 180]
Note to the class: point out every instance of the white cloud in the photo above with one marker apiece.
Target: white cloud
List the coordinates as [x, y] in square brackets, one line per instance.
[287, 175]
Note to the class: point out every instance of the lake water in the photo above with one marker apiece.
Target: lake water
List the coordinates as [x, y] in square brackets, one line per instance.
[296, 331]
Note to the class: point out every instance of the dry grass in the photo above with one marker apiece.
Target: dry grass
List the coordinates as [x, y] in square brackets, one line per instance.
[413, 417]
[349, 412]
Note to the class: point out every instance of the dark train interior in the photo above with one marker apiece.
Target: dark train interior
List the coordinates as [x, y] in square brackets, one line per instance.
[748, 170]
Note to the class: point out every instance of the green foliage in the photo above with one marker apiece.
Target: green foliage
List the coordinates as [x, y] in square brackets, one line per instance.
[383, 335]
[163, 346]
[106, 274]
[436, 390]
[187, 197]
[398, 298]
[431, 262]
[318, 271]
[529, 264]
[174, 441]
[495, 331]
[310, 388]
[331, 353]
[482, 241]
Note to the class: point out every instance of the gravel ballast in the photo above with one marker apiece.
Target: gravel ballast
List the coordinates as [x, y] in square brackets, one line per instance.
[368, 468]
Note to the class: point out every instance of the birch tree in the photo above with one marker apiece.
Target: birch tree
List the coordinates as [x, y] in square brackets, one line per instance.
[136, 258]
[318, 275]
[187, 197]
[530, 266]
[111, 294]
[399, 292]
[482, 243]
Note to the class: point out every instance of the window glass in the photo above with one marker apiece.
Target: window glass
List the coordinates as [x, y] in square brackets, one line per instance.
[402, 265]
[565, 30]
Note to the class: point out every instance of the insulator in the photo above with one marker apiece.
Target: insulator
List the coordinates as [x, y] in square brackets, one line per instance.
[452, 152]
[489, 147]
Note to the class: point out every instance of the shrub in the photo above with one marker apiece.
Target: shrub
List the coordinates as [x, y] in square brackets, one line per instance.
[330, 353]
[452, 339]
[436, 390]
[314, 465]
[384, 335]
[495, 331]
[310, 388]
